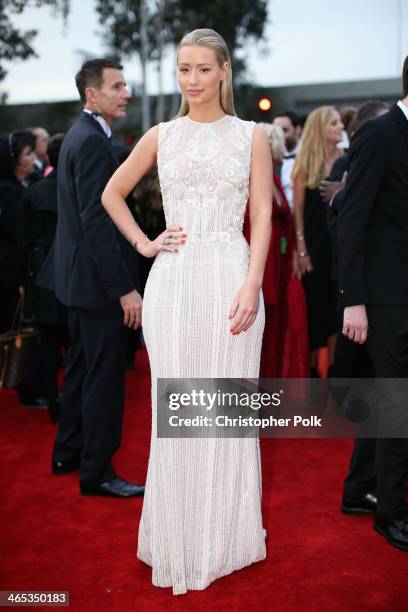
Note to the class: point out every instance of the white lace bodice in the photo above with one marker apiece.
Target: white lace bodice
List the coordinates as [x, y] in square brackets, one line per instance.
[204, 173]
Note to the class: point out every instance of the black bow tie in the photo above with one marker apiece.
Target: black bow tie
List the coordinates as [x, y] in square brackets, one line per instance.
[291, 156]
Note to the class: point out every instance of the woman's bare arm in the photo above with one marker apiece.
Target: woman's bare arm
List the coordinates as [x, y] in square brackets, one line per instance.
[304, 261]
[140, 161]
[246, 303]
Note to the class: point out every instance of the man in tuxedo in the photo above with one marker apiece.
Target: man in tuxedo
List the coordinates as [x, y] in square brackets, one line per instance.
[373, 281]
[95, 276]
[290, 124]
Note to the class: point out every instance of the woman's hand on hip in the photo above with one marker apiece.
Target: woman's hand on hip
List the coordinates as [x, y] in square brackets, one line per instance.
[169, 240]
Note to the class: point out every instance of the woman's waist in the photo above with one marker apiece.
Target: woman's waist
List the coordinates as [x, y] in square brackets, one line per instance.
[213, 236]
[219, 247]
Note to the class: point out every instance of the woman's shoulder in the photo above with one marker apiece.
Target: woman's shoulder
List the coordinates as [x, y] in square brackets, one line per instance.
[243, 123]
[169, 133]
[242, 130]
[165, 126]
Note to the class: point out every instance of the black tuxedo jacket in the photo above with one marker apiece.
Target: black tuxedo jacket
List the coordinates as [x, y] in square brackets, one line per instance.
[373, 219]
[93, 264]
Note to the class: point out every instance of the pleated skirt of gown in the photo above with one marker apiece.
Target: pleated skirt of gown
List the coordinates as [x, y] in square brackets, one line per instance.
[201, 516]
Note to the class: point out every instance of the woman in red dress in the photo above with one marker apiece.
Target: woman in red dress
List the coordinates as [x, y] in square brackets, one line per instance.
[285, 352]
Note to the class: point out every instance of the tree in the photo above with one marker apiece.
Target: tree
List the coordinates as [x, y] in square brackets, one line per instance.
[17, 44]
[125, 25]
[166, 21]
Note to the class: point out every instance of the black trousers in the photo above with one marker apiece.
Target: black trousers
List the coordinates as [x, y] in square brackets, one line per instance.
[92, 397]
[52, 339]
[352, 361]
[387, 345]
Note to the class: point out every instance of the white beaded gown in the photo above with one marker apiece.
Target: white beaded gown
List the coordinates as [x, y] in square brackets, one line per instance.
[201, 516]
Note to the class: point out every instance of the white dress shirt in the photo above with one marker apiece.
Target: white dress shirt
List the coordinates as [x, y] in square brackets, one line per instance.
[403, 108]
[102, 122]
[286, 175]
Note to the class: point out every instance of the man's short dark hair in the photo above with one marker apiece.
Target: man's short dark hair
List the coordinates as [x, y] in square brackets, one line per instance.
[54, 147]
[91, 74]
[405, 78]
[292, 116]
[369, 110]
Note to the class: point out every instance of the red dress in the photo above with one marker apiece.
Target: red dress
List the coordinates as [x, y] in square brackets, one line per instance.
[285, 349]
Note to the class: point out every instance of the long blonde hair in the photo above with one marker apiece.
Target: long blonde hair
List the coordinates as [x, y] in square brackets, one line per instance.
[276, 139]
[205, 37]
[311, 159]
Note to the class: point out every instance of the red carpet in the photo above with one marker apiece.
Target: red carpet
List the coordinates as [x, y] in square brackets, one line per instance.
[318, 559]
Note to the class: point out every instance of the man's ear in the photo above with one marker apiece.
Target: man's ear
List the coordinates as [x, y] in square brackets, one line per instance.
[90, 95]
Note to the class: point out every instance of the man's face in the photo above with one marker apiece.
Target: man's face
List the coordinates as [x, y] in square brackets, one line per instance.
[41, 143]
[292, 133]
[111, 98]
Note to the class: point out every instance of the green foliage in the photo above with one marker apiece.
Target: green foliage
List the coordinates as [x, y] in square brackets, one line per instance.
[236, 20]
[17, 44]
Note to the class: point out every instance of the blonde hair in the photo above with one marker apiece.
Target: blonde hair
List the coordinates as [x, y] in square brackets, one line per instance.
[205, 37]
[276, 139]
[311, 158]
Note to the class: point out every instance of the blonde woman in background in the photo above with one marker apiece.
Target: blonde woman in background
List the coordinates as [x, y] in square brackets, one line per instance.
[203, 315]
[318, 151]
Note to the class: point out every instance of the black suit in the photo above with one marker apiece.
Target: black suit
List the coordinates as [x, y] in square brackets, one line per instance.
[373, 270]
[93, 267]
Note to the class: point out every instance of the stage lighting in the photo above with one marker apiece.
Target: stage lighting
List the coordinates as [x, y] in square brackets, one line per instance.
[264, 104]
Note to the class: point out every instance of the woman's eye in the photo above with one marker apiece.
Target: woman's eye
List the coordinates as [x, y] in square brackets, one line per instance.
[205, 70]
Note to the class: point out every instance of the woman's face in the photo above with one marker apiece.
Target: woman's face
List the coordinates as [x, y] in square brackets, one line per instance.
[26, 160]
[335, 128]
[200, 75]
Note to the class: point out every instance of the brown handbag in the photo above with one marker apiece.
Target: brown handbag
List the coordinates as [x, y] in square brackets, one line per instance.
[17, 350]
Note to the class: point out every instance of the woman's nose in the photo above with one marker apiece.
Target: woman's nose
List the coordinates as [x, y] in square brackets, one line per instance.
[193, 77]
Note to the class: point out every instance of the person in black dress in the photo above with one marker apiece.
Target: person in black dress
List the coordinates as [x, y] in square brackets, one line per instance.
[318, 152]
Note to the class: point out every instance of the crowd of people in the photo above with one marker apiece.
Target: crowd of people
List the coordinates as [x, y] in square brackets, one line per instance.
[83, 279]
[300, 284]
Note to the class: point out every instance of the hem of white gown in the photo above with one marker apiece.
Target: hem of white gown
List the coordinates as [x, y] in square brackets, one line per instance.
[195, 585]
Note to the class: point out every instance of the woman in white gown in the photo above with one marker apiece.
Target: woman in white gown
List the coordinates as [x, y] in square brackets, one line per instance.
[203, 315]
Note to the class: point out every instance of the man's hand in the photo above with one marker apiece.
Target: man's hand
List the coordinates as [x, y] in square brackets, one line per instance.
[355, 324]
[132, 307]
[329, 188]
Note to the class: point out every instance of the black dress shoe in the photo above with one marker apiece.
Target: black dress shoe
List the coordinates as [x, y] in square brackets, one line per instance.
[114, 488]
[60, 468]
[366, 504]
[395, 531]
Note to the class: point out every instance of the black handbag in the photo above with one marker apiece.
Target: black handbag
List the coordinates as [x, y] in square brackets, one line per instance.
[17, 350]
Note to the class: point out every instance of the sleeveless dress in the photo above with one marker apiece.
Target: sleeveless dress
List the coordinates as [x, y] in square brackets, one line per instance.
[201, 516]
